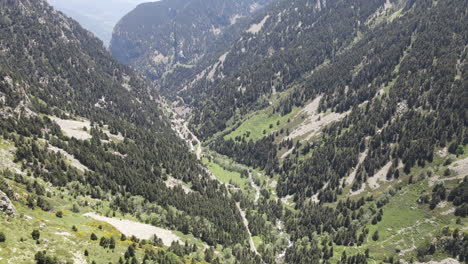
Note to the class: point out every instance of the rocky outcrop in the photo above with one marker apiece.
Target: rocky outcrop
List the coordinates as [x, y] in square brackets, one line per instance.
[8, 190]
[6, 206]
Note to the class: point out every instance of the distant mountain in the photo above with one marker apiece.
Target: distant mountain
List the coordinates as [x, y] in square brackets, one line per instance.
[155, 37]
[100, 16]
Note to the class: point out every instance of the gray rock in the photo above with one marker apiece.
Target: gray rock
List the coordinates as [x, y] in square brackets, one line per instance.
[6, 205]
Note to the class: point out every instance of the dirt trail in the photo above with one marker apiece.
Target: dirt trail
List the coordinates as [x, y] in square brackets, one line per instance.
[180, 126]
[246, 224]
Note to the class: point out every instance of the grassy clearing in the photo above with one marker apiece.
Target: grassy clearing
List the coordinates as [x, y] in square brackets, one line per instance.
[57, 236]
[261, 122]
[406, 224]
[224, 175]
[257, 241]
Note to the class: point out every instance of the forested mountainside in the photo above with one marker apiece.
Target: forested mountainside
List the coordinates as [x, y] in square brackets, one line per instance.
[341, 127]
[81, 133]
[157, 37]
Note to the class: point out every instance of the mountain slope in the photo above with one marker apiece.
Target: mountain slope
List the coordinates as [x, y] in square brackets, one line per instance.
[75, 122]
[289, 41]
[155, 37]
[343, 126]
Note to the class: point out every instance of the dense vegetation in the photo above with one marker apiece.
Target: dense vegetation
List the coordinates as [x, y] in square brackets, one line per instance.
[49, 66]
[395, 69]
[359, 189]
[189, 26]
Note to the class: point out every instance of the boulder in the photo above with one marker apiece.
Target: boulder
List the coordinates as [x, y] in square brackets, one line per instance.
[6, 205]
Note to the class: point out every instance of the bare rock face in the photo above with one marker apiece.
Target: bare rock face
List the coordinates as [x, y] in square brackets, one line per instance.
[6, 205]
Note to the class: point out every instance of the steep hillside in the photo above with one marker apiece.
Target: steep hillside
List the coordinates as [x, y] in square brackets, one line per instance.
[341, 126]
[156, 37]
[356, 135]
[282, 45]
[320, 132]
[78, 127]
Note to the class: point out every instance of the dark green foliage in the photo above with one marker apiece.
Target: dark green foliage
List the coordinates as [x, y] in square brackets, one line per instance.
[296, 51]
[375, 236]
[2, 237]
[179, 30]
[357, 259]
[43, 203]
[35, 234]
[58, 70]
[260, 154]
[459, 195]
[106, 242]
[41, 257]
[112, 243]
[59, 214]
[438, 194]
[401, 84]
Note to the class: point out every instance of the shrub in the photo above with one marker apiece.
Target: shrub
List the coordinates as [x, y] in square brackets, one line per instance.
[35, 234]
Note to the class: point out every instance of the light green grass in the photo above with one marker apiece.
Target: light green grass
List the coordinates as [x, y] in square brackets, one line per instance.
[188, 66]
[395, 15]
[257, 241]
[57, 236]
[259, 123]
[404, 220]
[225, 176]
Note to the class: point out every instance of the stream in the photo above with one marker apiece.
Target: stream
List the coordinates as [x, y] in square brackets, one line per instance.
[180, 126]
[280, 226]
[255, 186]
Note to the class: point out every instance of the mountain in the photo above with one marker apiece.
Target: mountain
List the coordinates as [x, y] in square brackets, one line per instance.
[99, 17]
[343, 123]
[86, 151]
[156, 37]
[308, 131]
